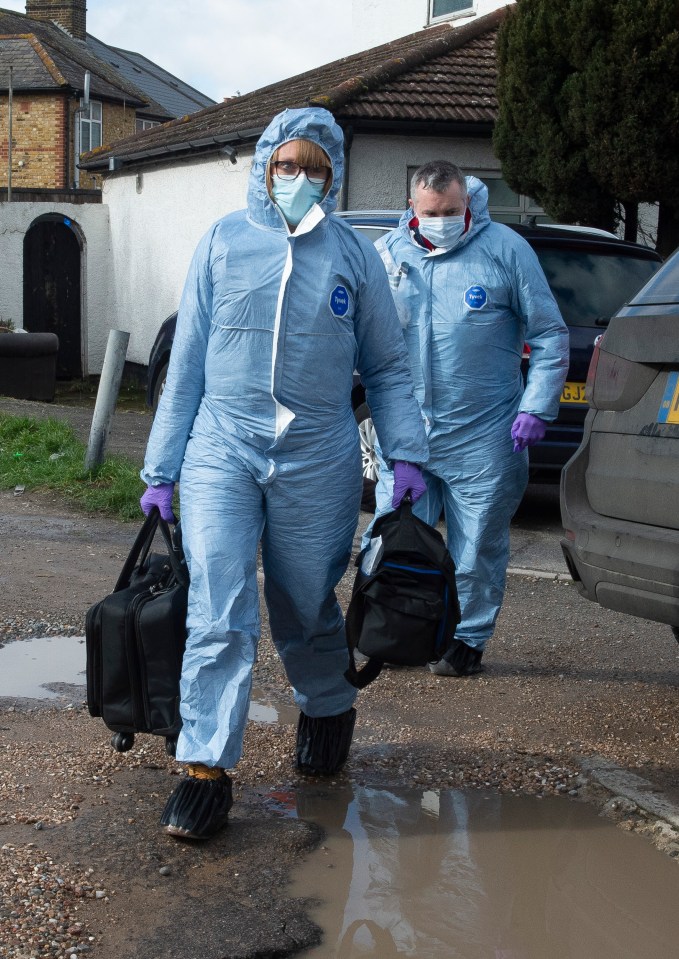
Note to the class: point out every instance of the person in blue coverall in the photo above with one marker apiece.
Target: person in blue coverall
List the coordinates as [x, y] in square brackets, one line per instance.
[282, 302]
[470, 293]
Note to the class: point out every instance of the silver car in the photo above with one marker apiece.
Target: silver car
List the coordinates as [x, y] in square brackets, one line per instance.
[620, 491]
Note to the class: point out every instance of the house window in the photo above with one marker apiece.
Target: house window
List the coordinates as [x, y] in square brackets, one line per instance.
[506, 206]
[441, 9]
[146, 124]
[90, 127]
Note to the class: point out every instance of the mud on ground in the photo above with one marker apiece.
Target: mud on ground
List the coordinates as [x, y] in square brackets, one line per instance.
[84, 864]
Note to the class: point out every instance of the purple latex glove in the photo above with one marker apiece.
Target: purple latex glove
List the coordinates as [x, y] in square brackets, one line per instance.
[407, 479]
[160, 496]
[527, 430]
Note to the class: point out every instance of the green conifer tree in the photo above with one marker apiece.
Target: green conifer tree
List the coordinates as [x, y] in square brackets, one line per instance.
[589, 109]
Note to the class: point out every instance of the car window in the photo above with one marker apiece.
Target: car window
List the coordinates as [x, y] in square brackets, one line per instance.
[373, 233]
[592, 286]
[664, 287]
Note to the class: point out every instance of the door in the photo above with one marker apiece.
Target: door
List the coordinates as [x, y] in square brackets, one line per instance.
[52, 300]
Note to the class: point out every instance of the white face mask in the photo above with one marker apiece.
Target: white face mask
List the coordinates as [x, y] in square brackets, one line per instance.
[296, 197]
[443, 231]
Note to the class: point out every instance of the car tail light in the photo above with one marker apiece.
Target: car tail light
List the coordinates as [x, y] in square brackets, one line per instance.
[591, 371]
[610, 384]
[526, 352]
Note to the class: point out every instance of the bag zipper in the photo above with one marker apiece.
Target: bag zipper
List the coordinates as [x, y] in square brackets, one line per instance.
[415, 569]
[134, 662]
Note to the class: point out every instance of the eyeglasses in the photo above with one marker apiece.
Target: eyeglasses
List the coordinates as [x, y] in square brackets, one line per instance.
[287, 170]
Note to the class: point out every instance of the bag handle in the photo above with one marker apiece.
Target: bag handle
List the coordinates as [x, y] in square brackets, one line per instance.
[359, 679]
[142, 545]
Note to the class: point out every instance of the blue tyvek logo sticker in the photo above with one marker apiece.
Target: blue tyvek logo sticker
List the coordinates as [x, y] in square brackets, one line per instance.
[339, 301]
[476, 297]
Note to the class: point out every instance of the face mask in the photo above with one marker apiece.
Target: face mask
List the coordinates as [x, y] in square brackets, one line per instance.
[296, 197]
[443, 231]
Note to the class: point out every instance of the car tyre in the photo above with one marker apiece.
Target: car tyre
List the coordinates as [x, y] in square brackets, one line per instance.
[369, 463]
[675, 632]
[159, 385]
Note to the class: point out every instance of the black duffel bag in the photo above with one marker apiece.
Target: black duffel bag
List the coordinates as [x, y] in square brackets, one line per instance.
[135, 640]
[404, 608]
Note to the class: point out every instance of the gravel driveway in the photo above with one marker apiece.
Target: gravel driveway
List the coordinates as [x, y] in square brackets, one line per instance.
[575, 700]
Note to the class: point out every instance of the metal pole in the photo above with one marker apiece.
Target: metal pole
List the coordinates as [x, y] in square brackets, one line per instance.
[9, 146]
[107, 395]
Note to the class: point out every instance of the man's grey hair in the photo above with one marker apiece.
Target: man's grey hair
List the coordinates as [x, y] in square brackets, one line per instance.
[437, 175]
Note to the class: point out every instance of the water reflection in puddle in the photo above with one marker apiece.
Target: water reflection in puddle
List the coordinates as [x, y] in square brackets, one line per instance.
[465, 875]
[265, 708]
[27, 665]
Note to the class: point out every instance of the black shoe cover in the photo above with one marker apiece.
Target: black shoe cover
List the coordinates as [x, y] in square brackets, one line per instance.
[198, 808]
[323, 742]
[464, 660]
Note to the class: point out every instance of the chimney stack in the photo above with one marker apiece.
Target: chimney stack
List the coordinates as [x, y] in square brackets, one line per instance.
[69, 14]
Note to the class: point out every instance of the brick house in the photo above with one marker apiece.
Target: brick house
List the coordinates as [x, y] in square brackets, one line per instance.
[49, 54]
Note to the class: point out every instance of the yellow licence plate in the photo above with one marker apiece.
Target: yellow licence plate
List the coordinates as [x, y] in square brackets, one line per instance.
[573, 393]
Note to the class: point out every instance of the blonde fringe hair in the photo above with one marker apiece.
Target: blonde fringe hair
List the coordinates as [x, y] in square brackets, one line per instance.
[308, 154]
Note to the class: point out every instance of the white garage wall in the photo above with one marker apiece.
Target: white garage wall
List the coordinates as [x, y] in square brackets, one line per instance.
[157, 219]
[378, 173]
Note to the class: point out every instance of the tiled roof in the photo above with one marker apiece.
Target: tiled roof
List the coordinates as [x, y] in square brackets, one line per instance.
[29, 63]
[440, 77]
[174, 96]
[46, 57]
[66, 60]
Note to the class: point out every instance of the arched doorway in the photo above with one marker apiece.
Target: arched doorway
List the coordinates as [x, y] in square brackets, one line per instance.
[52, 288]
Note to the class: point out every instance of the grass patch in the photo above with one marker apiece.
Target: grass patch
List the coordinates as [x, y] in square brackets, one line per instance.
[47, 455]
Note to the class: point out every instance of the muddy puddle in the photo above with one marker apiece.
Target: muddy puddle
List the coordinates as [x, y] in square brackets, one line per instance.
[38, 668]
[468, 875]
[29, 667]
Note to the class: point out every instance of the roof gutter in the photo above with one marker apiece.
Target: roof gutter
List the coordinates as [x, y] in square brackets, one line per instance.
[202, 146]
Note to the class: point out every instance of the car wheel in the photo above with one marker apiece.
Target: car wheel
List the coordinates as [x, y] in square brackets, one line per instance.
[160, 386]
[369, 461]
[675, 632]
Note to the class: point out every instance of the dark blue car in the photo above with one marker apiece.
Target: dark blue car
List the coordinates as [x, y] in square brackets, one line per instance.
[591, 273]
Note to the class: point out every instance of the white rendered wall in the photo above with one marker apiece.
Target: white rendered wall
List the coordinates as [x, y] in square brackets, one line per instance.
[378, 172]
[379, 21]
[156, 224]
[91, 226]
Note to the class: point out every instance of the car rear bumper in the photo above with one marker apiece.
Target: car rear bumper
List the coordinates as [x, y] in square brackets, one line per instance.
[629, 567]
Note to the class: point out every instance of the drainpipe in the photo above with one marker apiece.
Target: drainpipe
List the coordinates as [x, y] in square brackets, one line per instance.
[348, 140]
[9, 146]
[83, 108]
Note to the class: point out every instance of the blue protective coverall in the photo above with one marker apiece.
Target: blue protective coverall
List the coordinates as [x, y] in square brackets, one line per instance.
[466, 315]
[256, 423]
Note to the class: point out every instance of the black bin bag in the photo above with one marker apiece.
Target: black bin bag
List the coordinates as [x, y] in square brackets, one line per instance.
[404, 607]
[135, 640]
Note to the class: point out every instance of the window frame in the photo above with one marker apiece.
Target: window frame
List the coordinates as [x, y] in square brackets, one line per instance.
[86, 118]
[142, 123]
[432, 18]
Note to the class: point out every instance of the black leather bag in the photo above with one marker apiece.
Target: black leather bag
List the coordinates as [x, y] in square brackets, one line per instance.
[135, 640]
[404, 608]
